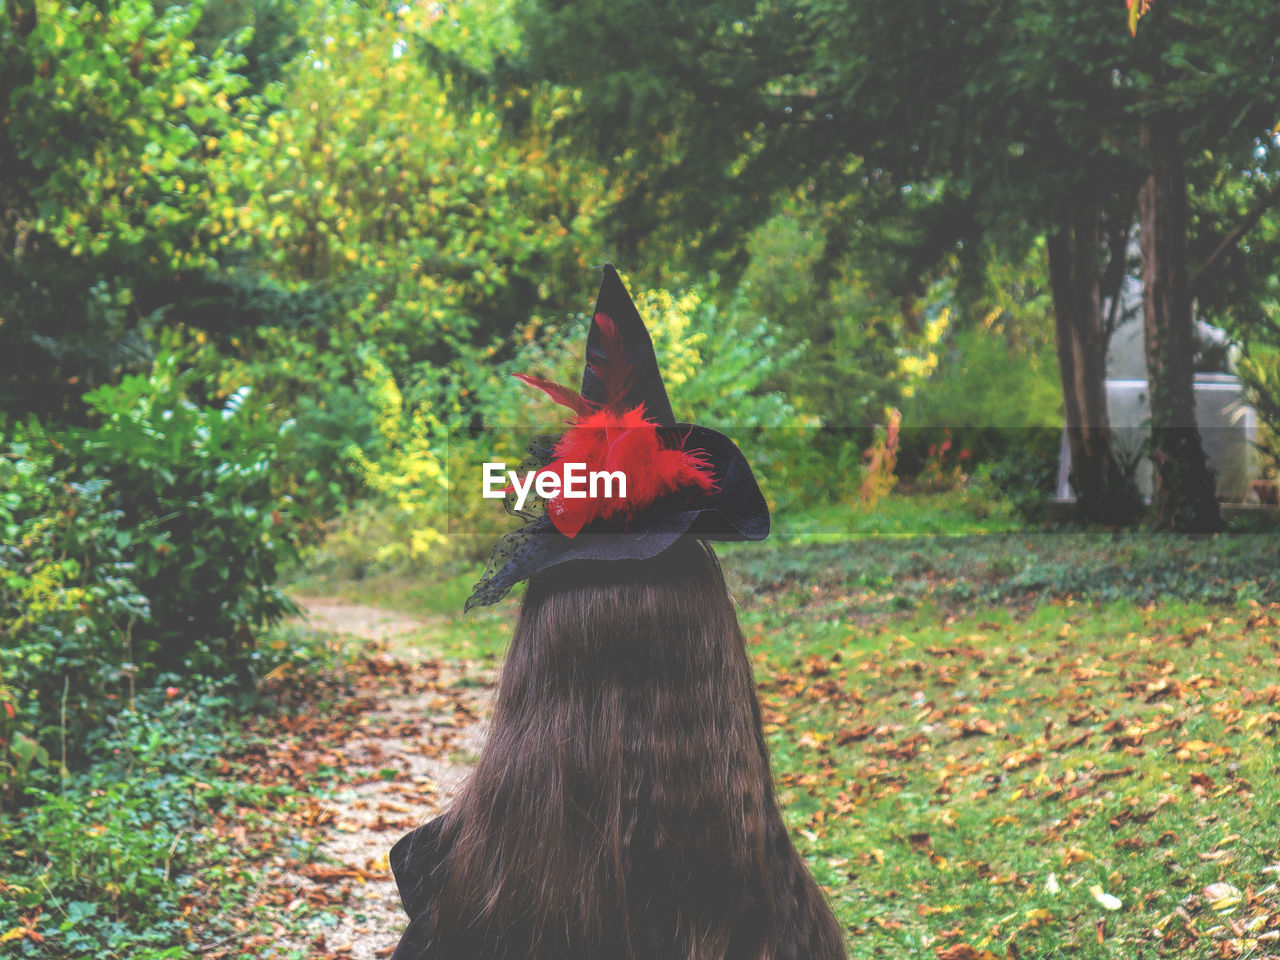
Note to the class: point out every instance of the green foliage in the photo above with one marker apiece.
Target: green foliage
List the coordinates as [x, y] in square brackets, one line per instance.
[264, 32]
[125, 142]
[939, 135]
[103, 856]
[148, 543]
[1259, 369]
[116, 146]
[378, 174]
[1026, 473]
[1241, 293]
[391, 185]
[425, 462]
[101, 862]
[872, 338]
[720, 365]
[955, 572]
[206, 530]
[411, 476]
[112, 860]
[992, 399]
[985, 380]
[68, 604]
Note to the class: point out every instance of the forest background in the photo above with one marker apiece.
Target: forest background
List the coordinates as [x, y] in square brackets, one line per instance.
[267, 266]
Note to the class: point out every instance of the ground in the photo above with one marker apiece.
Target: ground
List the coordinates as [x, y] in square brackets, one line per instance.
[403, 759]
[992, 748]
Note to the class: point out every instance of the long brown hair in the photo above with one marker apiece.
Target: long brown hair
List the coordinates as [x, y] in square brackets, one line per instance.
[623, 806]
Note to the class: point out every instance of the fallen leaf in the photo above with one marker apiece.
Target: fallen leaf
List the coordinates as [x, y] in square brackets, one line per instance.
[963, 951]
[1223, 897]
[1107, 901]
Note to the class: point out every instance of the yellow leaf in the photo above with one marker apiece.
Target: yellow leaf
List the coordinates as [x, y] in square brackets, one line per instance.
[1036, 918]
[1137, 10]
[1223, 896]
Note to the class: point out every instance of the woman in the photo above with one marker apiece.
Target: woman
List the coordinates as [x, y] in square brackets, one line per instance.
[623, 807]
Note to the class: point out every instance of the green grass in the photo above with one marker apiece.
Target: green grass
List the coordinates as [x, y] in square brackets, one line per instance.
[954, 719]
[873, 573]
[972, 734]
[154, 848]
[904, 514]
[938, 770]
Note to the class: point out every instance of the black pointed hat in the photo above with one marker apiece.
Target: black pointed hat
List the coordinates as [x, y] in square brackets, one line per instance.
[681, 479]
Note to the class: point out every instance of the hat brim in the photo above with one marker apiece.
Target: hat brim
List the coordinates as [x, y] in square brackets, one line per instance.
[734, 510]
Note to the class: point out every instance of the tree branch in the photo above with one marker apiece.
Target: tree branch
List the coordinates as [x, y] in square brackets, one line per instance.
[1243, 227]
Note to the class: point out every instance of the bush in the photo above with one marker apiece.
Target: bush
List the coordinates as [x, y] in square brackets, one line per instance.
[425, 460]
[1026, 474]
[988, 396]
[96, 868]
[201, 521]
[109, 863]
[68, 602]
[147, 544]
[1259, 369]
[721, 367]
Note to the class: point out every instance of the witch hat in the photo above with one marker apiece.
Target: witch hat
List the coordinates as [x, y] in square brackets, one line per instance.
[677, 479]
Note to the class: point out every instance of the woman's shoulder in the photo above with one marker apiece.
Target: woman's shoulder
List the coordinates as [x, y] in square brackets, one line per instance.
[415, 861]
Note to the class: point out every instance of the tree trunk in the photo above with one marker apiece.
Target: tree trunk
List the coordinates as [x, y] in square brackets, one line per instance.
[1184, 494]
[1103, 492]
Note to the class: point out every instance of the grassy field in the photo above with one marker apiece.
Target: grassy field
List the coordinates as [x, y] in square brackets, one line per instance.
[1048, 745]
[1078, 779]
[1004, 745]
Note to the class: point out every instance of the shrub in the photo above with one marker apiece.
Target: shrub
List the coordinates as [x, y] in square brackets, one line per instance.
[1259, 369]
[96, 867]
[200, 519]
[988, 396]
[68, 602]
[146, 544]
[424, 464]
[1025, 474]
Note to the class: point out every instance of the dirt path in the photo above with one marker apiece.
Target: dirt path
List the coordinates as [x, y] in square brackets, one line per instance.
[359, 620]
[420, 726]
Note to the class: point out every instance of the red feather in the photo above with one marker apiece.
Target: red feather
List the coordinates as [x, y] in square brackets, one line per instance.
[614, 371]
[561, 395]
[627, 442]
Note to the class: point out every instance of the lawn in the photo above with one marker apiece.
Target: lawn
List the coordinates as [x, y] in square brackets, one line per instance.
[1008, 744]
[1055, 745]
[1083, 779]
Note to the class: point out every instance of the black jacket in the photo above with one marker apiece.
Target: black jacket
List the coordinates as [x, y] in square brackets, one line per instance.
[415, 860]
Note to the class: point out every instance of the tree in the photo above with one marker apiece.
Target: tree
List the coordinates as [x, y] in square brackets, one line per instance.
[1010, 121]
[109, 124]
[1208, 88]
[384, 170]
[1184, 493]
[1235, 246]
